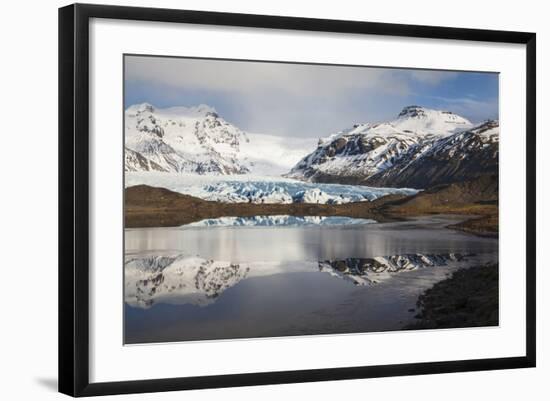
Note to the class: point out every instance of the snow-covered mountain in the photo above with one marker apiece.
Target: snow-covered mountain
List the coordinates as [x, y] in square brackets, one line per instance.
[419, 149]
[408, 151]
[135, 161]
[197, 140]
[459, 157]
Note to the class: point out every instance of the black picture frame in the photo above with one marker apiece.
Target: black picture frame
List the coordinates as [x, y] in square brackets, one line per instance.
[74, 198]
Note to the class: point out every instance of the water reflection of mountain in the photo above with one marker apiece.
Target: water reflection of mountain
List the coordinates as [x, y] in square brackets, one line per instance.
[190, 280]
[193, 280]
[368, 271]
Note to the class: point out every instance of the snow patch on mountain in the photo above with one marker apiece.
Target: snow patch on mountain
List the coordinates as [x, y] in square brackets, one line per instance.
[423, 121]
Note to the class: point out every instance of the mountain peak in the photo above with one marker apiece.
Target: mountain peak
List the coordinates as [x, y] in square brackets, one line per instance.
[420, 119]
[204, 108]
[200, 111]
[141, 107]
[412, 111]
[424, 112]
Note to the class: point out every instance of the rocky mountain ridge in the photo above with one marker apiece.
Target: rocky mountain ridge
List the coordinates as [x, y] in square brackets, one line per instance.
[420, 149]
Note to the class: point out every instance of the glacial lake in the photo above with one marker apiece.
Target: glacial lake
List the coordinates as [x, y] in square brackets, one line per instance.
[242, 278]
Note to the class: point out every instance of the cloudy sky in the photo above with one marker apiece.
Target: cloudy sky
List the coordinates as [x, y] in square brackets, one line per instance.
[304, 99]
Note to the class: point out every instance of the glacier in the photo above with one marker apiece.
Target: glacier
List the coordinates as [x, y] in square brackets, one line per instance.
[260, 189]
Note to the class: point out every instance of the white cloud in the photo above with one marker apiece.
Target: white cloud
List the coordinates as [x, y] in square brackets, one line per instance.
[259, 77]
[286, 99]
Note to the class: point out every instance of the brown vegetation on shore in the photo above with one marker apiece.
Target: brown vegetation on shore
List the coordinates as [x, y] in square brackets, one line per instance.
[477, 198]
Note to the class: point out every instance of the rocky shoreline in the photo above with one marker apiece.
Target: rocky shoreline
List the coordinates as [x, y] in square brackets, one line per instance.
[469, 298]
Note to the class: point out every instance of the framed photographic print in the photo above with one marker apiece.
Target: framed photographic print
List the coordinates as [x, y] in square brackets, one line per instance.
[249, 199]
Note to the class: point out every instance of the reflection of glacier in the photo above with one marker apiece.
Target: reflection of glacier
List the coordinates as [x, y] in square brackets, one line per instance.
[197, 281]
[279, 220]
[368, 271]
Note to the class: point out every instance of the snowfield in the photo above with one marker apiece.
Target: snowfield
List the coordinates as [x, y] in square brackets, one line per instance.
[259, 189]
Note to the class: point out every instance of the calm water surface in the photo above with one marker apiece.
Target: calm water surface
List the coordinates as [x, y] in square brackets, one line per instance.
[257, 280]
